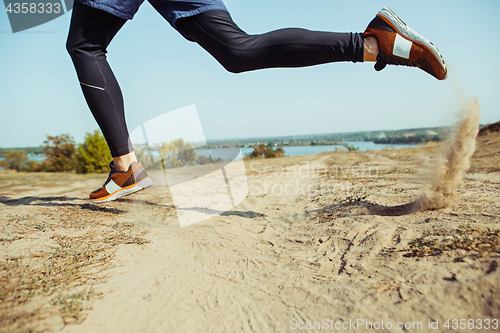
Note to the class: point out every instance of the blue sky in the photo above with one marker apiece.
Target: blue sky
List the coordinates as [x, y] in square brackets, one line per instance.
[160, 71]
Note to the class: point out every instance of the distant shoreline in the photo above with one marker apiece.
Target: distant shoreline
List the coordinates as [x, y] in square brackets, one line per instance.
[324, 139]
[295, 150]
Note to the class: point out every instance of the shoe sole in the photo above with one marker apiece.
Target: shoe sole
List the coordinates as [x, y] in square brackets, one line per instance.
[145, 183]
[397, 24]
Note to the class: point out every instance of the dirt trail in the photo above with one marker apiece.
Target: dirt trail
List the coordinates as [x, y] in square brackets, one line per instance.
[302, 256]
[322, 237]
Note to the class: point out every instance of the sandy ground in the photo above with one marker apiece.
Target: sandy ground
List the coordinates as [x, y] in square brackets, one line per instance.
[320, 238]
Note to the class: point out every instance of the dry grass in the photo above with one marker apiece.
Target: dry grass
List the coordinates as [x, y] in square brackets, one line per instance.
[480, 242]
[55, 282]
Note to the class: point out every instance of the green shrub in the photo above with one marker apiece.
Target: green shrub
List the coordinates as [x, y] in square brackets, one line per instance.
[93, 156]
[33, 166]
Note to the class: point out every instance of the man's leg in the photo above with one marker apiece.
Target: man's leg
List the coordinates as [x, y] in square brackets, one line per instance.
[91, 31]
[238, 52]
[387, 40]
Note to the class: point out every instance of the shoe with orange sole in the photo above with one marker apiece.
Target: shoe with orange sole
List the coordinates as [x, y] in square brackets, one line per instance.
[401, 45]
[120, 184]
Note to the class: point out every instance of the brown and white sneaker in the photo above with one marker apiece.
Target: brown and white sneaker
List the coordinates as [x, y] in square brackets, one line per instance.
[120, 184]
[401, 45]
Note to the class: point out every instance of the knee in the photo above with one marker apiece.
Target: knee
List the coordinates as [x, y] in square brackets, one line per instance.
[234, 60]
[80, 51]
[77, 48]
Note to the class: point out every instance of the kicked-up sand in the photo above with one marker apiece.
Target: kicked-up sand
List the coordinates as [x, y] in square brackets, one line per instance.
[322, 242]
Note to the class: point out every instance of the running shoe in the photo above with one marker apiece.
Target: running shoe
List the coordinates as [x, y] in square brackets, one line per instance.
[120, 184]
[401, 45]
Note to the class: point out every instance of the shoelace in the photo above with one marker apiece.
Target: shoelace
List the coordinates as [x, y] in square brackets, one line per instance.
[111, 173]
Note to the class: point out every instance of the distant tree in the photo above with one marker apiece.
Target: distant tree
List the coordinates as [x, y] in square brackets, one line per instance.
[262, 151]
[93, 156]
[144, 154]
[203, 160]
[177, 153]
[258, 151]
[59, 152]
[272, 153]
[15, 160]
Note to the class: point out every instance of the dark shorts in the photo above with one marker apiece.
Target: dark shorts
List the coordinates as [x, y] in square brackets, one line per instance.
[171, 10]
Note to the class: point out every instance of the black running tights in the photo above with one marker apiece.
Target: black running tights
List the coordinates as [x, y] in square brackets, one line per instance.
[92, 30]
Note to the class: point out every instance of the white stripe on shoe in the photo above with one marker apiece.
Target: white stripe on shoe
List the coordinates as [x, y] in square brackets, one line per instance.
[112, 187]
[402, 47]
[121, 192]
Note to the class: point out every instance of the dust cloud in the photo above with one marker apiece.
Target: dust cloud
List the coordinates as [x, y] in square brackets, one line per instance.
[453, 161]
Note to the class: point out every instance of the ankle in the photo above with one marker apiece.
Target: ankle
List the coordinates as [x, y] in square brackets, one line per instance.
[123, 162]
[371, 49]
